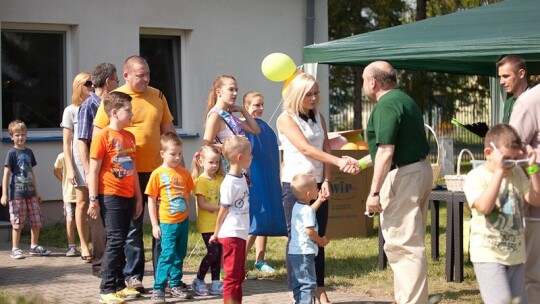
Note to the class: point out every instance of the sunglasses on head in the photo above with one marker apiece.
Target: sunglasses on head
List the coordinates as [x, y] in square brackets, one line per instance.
[88, 84]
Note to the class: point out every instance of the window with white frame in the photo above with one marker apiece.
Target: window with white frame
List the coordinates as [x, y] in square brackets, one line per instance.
[163, 54]
[33, 77]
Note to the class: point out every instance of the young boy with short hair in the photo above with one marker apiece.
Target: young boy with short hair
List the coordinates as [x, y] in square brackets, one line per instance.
[113, 185]
[24, 198]
[305, 239]
[497, 192]
[232, 223]
[70, 202]
[168, 191]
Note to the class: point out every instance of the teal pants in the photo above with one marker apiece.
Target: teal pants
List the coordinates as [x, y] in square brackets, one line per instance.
[174, 239]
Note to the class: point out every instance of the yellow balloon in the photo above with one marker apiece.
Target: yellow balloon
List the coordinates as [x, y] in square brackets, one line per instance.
[277, 67]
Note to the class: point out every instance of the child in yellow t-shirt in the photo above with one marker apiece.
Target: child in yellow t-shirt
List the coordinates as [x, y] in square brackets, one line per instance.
[207, 184]
[168, 189]
[70, 201]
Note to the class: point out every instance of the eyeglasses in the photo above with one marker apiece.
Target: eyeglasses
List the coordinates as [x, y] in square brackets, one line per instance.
[508, 163]
[88, 83]
[314, 94]
[115, 79]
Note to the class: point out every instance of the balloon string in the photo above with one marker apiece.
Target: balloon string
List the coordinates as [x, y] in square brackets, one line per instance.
[277, 108]
[298, 68]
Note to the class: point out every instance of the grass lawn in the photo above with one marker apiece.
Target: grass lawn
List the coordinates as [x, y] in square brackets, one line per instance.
[351, 264]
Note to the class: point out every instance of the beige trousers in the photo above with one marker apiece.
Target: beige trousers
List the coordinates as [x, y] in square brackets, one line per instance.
[532, 261]
[404, 196]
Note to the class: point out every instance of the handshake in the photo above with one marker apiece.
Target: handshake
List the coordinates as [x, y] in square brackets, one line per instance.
[348, 165]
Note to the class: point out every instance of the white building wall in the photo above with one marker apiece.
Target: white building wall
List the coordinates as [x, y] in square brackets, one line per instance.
[221, 37]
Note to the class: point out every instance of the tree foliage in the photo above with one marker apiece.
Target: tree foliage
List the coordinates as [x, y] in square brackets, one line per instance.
[432, 91]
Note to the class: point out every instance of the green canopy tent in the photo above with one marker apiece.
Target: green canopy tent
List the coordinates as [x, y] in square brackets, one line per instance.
[465, 42]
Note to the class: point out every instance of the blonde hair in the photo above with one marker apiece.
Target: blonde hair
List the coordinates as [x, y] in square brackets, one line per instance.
[235, 145]
[170, 139]
[196, 169]
[295, 92]
[249, 96]
[16, 125]
[217, 84]
[301, 183]
[78, 86]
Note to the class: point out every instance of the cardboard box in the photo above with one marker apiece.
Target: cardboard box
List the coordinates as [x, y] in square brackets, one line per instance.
[348, 202]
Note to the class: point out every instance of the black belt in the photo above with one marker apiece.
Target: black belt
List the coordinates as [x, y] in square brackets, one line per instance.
[395, 166]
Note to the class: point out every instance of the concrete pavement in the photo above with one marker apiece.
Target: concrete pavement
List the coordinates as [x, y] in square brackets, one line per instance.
[60, 279]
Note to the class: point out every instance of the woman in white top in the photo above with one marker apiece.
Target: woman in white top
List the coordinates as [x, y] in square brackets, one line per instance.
[82, 86]
[306, 150]
[220, 123]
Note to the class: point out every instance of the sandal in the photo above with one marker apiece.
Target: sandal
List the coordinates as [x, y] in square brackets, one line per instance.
[86, 258]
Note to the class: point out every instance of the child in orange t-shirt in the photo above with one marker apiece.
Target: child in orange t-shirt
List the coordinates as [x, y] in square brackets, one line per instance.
[113, 180]
[168, 191]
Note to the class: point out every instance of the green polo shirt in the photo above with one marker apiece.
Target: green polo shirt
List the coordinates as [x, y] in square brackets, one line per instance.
[508, 106]
[397, 120]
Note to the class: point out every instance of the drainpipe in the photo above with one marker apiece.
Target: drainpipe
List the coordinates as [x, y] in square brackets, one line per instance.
[310, 22]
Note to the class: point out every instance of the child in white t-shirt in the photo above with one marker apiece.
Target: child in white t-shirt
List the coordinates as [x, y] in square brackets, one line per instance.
[305, 240]
[232, 223]
[497, 192]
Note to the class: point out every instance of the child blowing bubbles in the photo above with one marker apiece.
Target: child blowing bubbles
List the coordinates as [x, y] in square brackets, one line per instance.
[168, 189]
[305, 240]
[233, 218]
[496, 193]
[207, 186]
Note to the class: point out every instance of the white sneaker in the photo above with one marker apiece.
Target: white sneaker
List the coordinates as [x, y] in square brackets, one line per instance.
[16, 254]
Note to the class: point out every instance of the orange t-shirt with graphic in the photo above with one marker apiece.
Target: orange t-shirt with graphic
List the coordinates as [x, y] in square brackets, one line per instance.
[172, 187]
[150, 112]
[116, 150]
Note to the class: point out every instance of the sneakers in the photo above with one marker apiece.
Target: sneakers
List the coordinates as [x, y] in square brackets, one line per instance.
[199, 287]
[16, 254]
[180, 292]
[158, 296]
[263, 266]
[38, 250]
[128, 293]
[110, 298]
[251, 276]
[72, 252]
[216, 288]
[135, 283]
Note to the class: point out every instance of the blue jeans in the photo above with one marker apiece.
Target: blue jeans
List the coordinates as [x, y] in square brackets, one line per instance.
[303, 278]
[174, 238]
[116, 212]
[134, 249]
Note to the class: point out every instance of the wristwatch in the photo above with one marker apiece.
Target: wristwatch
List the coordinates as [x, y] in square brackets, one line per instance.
[375, 194]
[93, 198]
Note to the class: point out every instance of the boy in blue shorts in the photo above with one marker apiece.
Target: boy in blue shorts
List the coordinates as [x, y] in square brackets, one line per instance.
[23, 198]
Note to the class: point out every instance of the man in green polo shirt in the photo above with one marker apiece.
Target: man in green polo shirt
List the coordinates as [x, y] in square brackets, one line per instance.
[402, 179]
[513, 73]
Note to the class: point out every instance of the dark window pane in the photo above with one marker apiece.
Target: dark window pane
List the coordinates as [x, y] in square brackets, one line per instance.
[33, 73]
[163, 56]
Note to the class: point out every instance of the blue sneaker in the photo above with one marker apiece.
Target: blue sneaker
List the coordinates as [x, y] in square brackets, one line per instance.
[216, 288]
[263, 266]
[199, 287]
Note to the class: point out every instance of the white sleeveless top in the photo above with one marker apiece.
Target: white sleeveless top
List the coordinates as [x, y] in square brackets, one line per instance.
[294, 162]
[223, 134]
